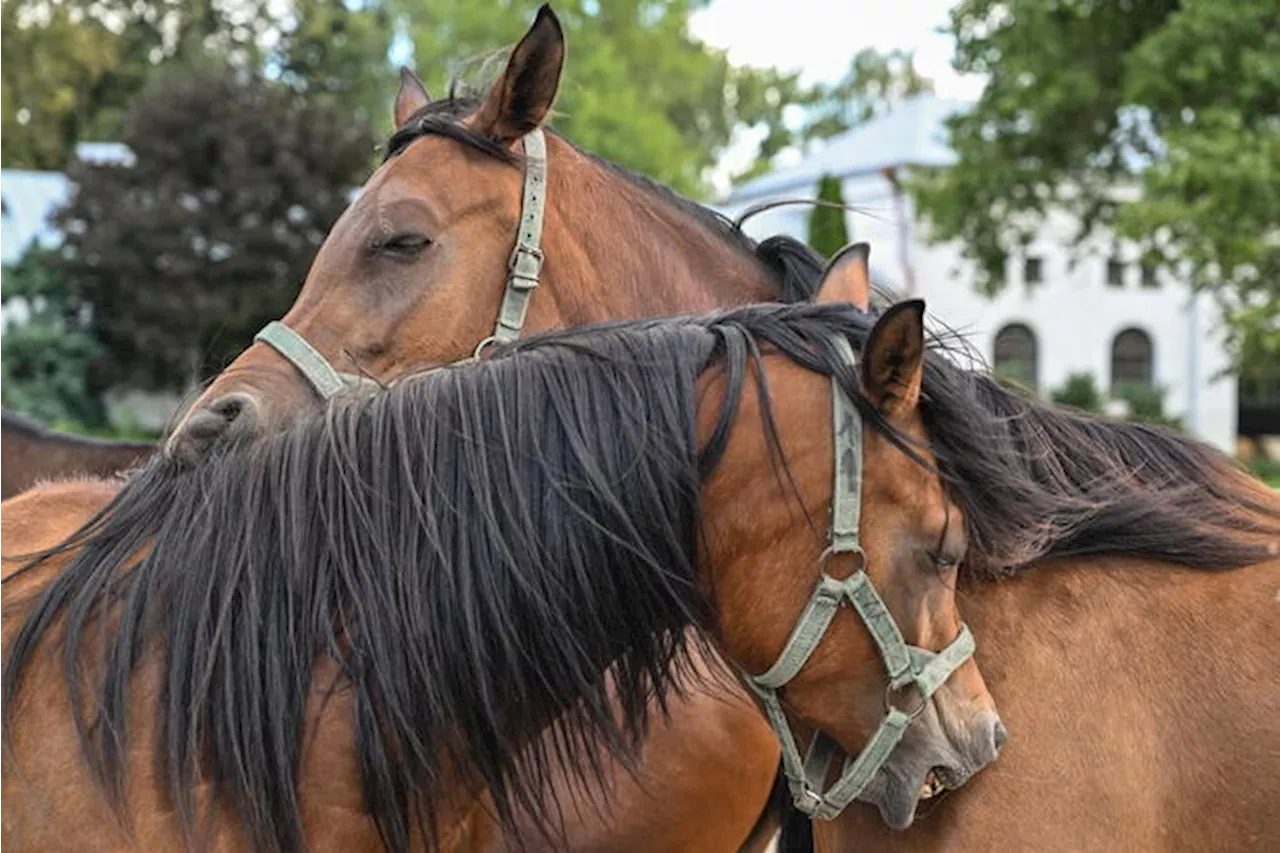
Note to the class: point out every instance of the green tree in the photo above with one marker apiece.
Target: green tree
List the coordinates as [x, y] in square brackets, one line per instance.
[1143, 402]
[337, 52]
[45, 357]
[827, 231]
[638, 88]
[1079, 391]
[1179, 99]
[184, 255]
[76, 65]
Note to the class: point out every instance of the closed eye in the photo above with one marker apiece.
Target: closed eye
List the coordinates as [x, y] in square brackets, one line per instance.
[403, 246]
[944, 560]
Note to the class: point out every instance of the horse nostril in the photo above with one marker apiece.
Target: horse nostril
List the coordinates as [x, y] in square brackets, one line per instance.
[1000, 735]
[232, 415]
[229, 408]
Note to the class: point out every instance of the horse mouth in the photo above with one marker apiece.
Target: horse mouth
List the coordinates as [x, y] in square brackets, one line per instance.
[932, 786]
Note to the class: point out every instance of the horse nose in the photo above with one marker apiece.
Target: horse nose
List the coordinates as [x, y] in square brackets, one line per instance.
[229, 416]
[987, 740]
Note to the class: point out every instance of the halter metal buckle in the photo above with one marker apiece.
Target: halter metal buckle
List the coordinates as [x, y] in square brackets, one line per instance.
[525, 265]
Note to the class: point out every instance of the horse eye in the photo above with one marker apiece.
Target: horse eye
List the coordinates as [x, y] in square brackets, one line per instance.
[402, 245]
[944, 560]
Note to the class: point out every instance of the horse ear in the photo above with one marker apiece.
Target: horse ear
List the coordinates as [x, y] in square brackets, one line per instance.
[847, 278]
[893, 359]
[521, 98]
[411, 97]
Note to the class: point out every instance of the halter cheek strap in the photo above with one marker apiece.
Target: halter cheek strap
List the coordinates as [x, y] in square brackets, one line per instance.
[905, 665]
[525, 264]
[524, 270]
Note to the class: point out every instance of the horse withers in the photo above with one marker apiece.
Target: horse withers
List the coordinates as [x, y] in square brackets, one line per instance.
[31, 453]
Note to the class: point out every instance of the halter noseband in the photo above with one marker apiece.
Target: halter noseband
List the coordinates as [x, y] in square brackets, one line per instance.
[524, 269]
[905, 665]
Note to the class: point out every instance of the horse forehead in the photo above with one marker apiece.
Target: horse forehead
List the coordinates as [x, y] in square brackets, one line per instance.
[435, 163]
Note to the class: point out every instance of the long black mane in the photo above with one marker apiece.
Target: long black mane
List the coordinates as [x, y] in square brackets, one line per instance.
[474, 548]
[796, 268]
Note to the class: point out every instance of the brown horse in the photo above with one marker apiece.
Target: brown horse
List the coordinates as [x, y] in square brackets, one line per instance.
[1126, 613]
[31, 453]
[340, 635]
[415, 273]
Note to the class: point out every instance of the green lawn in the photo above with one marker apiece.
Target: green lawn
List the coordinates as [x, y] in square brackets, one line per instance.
[1267, 470]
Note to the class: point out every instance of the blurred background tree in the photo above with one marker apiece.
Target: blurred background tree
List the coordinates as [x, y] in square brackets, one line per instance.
[1177, 99]
[74, 66]
[183, 255]
[828, 233]
[44, 360]
[640, 90]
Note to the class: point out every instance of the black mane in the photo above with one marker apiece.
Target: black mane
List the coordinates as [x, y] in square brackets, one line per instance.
[474, 548]
[796, 268]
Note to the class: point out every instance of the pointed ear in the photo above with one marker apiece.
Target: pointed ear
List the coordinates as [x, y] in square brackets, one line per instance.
[411, 97]
[893, 359]
[847, 278]
[521, 98]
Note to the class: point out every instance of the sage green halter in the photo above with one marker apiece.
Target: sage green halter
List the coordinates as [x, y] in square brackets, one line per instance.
[905, 665]
[524, 271]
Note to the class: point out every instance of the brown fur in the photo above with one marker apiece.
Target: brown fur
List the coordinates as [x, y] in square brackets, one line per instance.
[31, 453]
[1141, 702]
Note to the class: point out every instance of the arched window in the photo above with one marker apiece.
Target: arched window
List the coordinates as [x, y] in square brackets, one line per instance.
[1015, 355]
[1131, 361]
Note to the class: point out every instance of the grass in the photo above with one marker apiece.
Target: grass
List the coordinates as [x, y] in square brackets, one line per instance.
[1267, 470]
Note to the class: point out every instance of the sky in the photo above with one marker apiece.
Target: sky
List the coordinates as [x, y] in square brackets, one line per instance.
[819, 37]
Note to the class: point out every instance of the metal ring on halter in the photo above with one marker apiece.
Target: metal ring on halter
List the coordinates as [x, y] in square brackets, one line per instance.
[831, 551]
[478, 353]
[889, 690]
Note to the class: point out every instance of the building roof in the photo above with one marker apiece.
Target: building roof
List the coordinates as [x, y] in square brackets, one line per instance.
[29, 199]
[912, 134]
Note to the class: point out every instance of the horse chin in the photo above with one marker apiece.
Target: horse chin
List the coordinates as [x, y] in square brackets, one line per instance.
[897, 794]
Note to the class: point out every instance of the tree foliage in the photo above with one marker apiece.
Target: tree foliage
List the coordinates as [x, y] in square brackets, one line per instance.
[873, 85]
[44, 358]
[184, 255]
[827, 231]
[74, 66]
[1178, 99]
[1141, 402]
[639, 89]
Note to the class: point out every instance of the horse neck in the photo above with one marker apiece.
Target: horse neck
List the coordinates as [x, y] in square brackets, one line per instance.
[65, 454]
[636, 253]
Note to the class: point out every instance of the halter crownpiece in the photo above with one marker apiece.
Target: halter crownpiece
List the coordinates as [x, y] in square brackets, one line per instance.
[524, 271]
[905, 665]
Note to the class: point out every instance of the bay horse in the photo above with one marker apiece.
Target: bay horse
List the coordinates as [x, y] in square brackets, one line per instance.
[340, 635]
[419, 270]
[31, 453]
[1126, 604]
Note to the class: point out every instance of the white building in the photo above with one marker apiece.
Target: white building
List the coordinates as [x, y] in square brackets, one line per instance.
[1091, 309]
